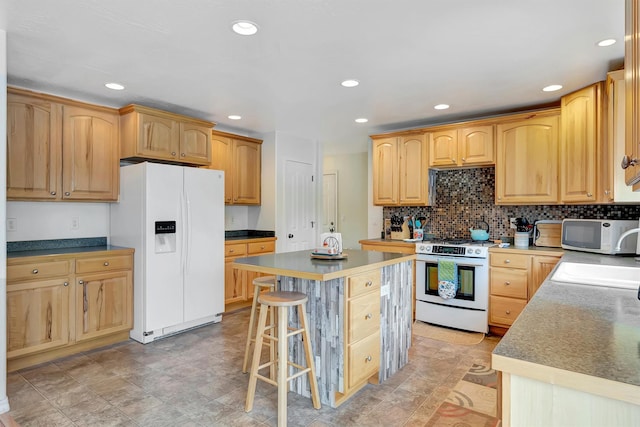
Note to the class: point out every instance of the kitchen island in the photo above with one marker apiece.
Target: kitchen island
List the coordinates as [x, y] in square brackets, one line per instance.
[572, 357]
[359, 310]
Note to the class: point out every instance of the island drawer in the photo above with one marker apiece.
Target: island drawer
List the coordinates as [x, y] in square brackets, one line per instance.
[364, 359]
[509, 283]
[106, 263]
[499, 259]
[235, 249]
[261, 247]
[504, 311]
[364, 316]
[365, 282]
[38, 270]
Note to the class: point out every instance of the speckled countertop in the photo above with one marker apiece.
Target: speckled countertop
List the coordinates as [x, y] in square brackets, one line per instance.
[582, 329]
[300, 264]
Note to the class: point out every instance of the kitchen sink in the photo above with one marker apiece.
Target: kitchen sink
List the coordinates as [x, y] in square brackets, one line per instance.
[613, 276]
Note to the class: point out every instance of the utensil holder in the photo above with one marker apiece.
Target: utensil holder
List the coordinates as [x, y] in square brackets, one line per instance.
[521, 239]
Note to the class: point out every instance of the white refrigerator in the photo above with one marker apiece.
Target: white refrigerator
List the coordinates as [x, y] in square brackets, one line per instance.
[173, 216]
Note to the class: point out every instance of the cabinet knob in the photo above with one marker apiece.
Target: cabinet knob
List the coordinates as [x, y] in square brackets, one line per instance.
[81, 282]
[589, 194]
[507, 261]
[369, 283]
[499, 198]
[35, 271]
[232, 250]
[368, 359]
[106, 263]
[368, 316]
[628, 161]
[464, 160]
[508, 311]
[53, 193]
[507, 283]
[183, 155]
[607, 192]
[261, 247]
[173, 153]
[66, 283]
[66, 193]
[453, 160]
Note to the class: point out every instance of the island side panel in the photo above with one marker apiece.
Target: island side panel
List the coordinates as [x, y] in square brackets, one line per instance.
[396, 317]
[325, 313]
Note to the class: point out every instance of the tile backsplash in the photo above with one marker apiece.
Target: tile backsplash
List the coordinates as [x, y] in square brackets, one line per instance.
[466, 196]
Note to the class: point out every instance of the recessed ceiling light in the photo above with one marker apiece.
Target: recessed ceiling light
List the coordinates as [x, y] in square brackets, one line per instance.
[362, 120]
[114, 86]
[441, 106]
[245, 28]
[606, 42]
[552, 88]
[350, 83]
[234, 117]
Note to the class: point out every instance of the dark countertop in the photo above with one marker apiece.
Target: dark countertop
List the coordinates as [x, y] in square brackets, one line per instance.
[65, 251]
[300, 264]
[581, 329]
[248, 234]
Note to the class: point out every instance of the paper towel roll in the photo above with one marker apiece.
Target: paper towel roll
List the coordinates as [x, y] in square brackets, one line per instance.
[333, 240]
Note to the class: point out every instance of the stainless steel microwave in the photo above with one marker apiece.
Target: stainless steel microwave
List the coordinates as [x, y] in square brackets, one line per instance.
[599, 235]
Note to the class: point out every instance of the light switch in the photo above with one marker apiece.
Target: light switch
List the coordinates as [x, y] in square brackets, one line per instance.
[12, 224]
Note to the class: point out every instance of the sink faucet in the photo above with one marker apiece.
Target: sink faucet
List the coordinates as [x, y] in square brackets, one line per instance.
[625, 234]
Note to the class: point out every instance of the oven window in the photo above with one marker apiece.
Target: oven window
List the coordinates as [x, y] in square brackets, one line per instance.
[466, 280]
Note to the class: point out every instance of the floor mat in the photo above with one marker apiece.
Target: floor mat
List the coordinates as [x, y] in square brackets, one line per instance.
[452, 336]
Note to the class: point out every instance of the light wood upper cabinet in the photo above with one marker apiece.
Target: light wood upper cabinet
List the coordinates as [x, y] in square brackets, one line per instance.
[580, 144]
[632, 93]
[462, 147]
[400, 170]
[240, 158]
[34, 150]
[60, 149]
[91, 169]
[527, 160]
[147, 133]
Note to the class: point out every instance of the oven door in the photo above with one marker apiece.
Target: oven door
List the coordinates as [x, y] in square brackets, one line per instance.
[473, 282]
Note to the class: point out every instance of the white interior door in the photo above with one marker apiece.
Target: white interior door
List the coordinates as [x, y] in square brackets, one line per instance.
[330, 201]
[299, 206]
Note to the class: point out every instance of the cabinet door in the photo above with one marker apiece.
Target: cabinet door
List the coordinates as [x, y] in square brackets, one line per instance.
[541, 266]
[632, 91]
[527, 162]
[158, 137]
[234, 283]
[247, 173]
[578, 144]
[222, 159]
[385, 172]
[103, 304]
[90, 154]
[195, 143]
[413, 170]
[37, 316]
[34, 138]
[476, 146]
[443, 148]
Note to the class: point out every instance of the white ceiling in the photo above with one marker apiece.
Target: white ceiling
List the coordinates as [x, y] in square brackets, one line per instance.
[479, 56]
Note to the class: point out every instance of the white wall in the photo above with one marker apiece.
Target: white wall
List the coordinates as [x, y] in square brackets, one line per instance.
[52, 220]
[374, 212]
[352, 196]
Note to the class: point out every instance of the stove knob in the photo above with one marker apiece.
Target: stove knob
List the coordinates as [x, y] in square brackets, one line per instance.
[478, 251]
[469, 250]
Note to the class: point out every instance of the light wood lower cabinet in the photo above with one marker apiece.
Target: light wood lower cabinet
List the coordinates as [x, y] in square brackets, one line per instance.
[363, 327]
[513, 280]
[238, 285]
[61, 305]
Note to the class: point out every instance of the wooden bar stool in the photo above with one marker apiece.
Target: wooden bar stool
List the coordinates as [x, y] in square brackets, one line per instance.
[282, 301]
[267, 283]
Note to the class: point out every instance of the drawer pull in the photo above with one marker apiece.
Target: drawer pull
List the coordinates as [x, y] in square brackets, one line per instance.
[53, 193]
[368, 359]
[507, 261]
[507, 283]
[66, 193]
[232, 250]
[106, 263]
[508, 311]
[368, 316]
[66, 283]
[35, 271]
[369, 283]
[262, 247]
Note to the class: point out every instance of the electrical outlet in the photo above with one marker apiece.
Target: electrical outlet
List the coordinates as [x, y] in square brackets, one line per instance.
[12, 224]
[512, 223]
[75, 223]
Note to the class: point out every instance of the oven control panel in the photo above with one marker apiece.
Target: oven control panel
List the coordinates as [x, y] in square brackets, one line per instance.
[453, 250]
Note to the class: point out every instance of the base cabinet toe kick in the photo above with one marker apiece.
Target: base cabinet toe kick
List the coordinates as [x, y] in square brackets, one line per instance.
[360, 327]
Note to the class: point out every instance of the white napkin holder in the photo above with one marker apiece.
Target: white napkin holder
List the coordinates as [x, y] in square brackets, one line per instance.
[332, 241]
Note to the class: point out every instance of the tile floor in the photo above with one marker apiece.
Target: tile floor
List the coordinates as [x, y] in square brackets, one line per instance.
[195, 379]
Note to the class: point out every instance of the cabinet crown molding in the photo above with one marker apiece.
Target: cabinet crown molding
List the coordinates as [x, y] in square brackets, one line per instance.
[173, 116]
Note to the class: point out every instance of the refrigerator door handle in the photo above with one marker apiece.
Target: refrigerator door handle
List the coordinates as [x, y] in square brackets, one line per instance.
[187, 256]
[183, 213]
